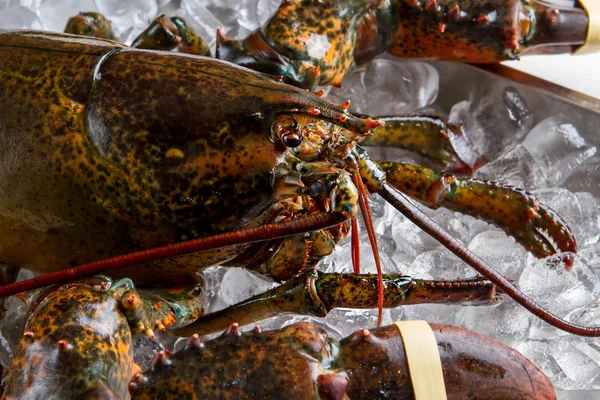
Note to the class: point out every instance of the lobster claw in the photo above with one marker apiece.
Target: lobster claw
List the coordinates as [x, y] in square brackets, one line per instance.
[320, 57]
[554, 30]
[535, 226]
[546, 234]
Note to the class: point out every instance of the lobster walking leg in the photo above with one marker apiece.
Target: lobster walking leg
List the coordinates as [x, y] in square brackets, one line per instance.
[428, 135]
[90, 24]
[162, 34]
[316, 293]
[171, 33]
[368, 364]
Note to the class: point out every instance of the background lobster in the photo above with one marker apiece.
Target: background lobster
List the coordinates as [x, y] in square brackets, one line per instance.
[299, 360]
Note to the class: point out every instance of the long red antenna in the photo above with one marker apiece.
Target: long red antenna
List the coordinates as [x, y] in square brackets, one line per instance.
[363, 202]
[355, 247]
[249, 235]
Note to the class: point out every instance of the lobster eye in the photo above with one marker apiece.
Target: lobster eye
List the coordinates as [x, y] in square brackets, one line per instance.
[291, 139]
[288, 130]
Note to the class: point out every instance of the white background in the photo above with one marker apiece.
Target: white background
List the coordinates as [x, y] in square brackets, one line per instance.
[580, 73]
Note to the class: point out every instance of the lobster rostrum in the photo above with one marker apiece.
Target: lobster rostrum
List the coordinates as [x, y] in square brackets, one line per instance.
[229, 157]
[77, 343]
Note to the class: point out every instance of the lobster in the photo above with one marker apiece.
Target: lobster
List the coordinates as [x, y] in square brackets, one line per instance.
[144, 186]
[62, 341]
[341, 116]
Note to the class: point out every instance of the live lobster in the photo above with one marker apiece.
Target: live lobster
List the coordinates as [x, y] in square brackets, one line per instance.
[283, 125]
[59, 357]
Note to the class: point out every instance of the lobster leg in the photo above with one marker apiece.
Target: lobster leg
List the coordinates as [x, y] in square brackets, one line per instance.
[428, 135]
[162, 34]
[316, 293]
[535, 226]
[90, 24]
[452, 29]
[150, 309]
[166, 33]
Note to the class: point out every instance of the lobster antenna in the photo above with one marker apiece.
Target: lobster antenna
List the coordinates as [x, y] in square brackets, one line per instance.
[410, 211]
[303, 224]
[365, 210]
[355, 247]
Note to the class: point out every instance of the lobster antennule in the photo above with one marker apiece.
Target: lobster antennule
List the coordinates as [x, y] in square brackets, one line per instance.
[409, 210]
[243, 236]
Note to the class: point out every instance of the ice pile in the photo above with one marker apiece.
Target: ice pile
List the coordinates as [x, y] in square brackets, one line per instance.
[526, 147]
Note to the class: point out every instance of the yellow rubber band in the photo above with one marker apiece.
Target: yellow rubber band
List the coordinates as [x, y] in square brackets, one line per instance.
[592, 42]
[423, 359]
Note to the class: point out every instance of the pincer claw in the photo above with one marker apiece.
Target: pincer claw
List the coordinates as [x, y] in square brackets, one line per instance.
[547, 234]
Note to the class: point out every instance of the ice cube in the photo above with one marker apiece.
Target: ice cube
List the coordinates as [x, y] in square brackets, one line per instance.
[504, 116]
[492, 121]
[500, 251]
[344, 321]
[389, 87]
[588, 315]
[239, 17]
[571, 362]
[558, 147]
[197, 14]
[439, 264]
[584, 178]
[579, 361]
[341, 259]
[236, 285]
[507, 322]
[236, 19]
[579, 210]
[555, 288]
[19, 17]
[265, 9]
[432, 313]
[127, 15]
[144, 350]
[578, 394]
[517, 167]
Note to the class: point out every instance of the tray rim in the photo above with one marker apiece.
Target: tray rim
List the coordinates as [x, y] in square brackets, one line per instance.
[559, 92]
